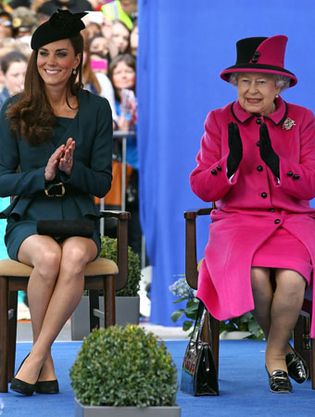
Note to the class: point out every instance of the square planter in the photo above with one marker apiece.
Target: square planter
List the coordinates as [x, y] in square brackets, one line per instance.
[104, 411]
[127, 311]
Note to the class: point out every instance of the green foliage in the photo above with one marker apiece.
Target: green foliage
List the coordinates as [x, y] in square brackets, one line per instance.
[109, 251]
[181, 289]
[246, 323]
[124, 366]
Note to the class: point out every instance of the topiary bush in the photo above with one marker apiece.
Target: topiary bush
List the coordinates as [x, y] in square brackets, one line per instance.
[109, 251]
[124, 366]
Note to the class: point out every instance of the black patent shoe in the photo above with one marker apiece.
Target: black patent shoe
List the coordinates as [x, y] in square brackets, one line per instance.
[279, 382]
[47, 387]
[22, 387]
[297, 368]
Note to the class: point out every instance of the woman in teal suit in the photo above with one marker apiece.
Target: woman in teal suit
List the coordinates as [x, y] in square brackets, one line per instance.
[56, 150]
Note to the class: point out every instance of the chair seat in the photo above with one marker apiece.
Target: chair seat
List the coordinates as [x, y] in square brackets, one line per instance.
[101, 266]
[10, 268]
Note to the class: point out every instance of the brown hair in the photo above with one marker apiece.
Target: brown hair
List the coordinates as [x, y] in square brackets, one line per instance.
[31, 115]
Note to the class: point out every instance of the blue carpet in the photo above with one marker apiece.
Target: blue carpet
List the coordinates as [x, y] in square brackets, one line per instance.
[243, 387]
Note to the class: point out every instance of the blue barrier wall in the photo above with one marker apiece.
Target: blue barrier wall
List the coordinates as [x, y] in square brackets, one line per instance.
[184, 45]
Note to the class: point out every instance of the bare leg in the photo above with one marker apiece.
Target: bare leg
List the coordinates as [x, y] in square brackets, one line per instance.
[44, 253]
[286, 306]
[263, 295]
[76, 253]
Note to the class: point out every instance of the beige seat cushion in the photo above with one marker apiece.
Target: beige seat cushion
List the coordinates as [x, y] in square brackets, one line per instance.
[100, 266]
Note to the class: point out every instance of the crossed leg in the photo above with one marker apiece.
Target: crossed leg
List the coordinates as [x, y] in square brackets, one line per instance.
[54, 290]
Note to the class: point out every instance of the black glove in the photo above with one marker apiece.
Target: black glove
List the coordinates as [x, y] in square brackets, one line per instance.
[267, 153]
[236, 149]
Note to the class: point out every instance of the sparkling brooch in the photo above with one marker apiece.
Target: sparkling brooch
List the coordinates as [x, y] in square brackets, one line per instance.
[288, 124]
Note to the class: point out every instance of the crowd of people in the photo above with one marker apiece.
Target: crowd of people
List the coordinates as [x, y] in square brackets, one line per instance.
[109, 70]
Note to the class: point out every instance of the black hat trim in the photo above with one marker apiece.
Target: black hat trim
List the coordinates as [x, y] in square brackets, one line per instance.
[258, 66]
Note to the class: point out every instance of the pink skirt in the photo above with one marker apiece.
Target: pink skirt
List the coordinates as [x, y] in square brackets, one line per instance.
[283, 250]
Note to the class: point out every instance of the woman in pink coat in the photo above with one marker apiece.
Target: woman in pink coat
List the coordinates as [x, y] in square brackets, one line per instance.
[257, 161]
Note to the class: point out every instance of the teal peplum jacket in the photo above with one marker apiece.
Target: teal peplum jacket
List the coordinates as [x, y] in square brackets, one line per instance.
[22, 169]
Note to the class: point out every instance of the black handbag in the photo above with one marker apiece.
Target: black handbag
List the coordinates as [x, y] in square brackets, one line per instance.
[199, 375]
[62, 229]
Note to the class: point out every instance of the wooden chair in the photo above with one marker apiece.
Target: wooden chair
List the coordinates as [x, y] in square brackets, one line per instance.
[302, 341]
[100, 275]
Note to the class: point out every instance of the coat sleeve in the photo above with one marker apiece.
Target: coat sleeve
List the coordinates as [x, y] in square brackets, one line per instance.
[13, 182]
[96, 178]
[209, 179]
[298, 178]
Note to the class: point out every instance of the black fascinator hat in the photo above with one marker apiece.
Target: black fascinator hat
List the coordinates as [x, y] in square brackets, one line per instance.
[61, 25]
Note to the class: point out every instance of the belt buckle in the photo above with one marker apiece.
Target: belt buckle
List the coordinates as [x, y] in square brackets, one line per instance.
[55, 190]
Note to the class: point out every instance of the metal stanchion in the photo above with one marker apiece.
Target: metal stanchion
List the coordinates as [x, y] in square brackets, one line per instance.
[102, 220]
[123, 172]
[124, 136]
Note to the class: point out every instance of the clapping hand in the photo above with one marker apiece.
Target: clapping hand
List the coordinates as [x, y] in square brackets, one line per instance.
[61, 159]
[267, 153]
[236, 149]
[66, 160]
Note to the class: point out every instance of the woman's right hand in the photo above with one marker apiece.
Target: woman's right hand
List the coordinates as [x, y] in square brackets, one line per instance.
[53, 162]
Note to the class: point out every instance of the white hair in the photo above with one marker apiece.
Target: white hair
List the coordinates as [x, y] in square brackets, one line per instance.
[282, 81]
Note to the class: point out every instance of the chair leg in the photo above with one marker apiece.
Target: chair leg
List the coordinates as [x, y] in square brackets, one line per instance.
[109, 301]
[302, 342]
[4, 334]
[215, 335]
[13, 306]
[94, 304]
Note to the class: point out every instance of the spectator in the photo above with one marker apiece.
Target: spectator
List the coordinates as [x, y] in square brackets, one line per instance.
[96, 81]
[122, 72]
[13, 68]
[92, 29]
[25, 21]
[6, 27]
[99, 46]
[120, 37]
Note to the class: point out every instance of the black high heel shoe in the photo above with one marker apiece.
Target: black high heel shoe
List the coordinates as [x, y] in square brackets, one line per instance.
[47, 387]
[297, 368]
[279, 382]
[20, 386]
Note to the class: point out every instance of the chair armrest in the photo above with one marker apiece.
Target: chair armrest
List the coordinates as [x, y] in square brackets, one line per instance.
[192, 214]
[122, 244]
[191, 271]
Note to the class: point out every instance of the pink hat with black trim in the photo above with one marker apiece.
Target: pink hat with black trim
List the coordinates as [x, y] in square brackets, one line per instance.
[261, 54]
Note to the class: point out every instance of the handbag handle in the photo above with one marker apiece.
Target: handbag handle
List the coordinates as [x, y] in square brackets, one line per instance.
[201, 317]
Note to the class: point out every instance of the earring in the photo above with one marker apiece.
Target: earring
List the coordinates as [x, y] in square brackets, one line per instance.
[277, 95]
[74, 71]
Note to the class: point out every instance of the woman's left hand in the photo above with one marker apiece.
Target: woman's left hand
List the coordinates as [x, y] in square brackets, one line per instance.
[66, 161]
[268, 155]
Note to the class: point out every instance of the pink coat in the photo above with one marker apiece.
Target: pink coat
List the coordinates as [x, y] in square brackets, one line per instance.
[254, 203]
